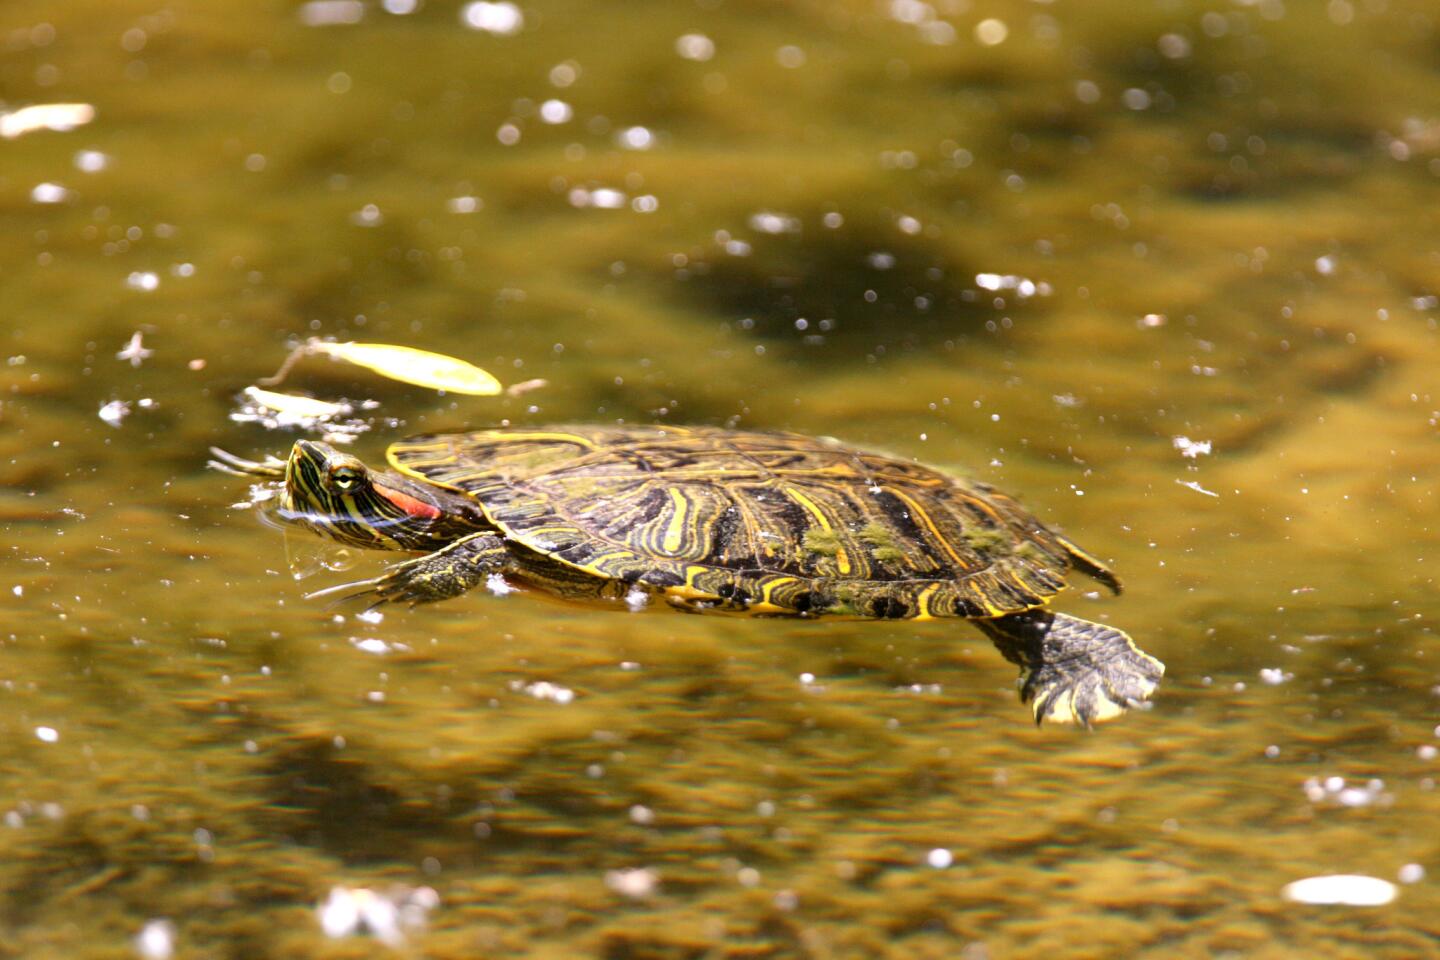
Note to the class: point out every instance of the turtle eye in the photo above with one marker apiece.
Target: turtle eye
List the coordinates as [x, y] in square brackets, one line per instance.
[345, 479]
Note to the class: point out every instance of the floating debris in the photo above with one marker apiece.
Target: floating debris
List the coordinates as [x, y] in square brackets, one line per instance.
[766, 221]
[1024, 287]
[1191, 448]
[297, 408]
[135, 350]
[114, 412]
[387, 917]
[1342, 889]
[602, 198]
[278, 411]
[1274, 676]
[637, 599]
[525, 386]
[156, 940]
[498, 585]
[544, 690]
[695, 46]
[1193, 485]
[59, 117]
[331, 13]
[502, 19]
[636, 884]
[1335, 791]
[49, 193]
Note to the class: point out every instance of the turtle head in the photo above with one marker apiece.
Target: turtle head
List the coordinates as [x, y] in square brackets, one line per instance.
[338, 496]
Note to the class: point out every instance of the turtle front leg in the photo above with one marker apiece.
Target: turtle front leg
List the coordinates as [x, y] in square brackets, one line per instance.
[446, 573]
[1072, 670]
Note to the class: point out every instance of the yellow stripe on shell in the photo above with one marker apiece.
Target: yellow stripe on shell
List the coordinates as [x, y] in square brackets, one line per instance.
[675, 529]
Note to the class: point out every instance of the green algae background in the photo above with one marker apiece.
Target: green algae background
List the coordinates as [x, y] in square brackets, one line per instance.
[1037, 242]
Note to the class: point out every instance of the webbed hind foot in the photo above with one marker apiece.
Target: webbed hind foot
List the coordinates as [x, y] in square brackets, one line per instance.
[1072, 670]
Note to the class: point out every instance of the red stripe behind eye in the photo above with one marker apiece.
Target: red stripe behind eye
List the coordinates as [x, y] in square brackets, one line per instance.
[416, 508]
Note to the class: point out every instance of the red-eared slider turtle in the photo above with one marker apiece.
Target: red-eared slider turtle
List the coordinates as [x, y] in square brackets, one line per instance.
[709, 519]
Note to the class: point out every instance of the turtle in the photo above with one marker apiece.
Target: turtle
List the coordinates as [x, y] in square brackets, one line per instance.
[710, 519]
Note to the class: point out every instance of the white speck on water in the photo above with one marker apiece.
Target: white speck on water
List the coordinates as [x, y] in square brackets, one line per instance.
[748, 877]
[642, 815]
[401, 8]
[502, 19]
[1426, 751]
[636, 883]
[464, 204]
[1333, 790]
[544, 690]
[47, 734]
[1135, 98]
[637, 599]
[1411, 873]
[646, 203]
[348, 911]
[1341, 889]
[156, 940]
[372, 645]
[375, 696]
[367, 216]
[1275, 676]
[370, 616]
[1152, 321]
[508, 134]
[1325, 266]
[695, 46]
[331, 13]
[564, 74]
[498, 585]
[556, 111]
[991, 32]
[790, 57]
[766, 221]
[135, 350]
[1173, 46]
[629, 665]
[114, 412]
[940, 858]
[91, 161]
[1191, 448]
[603, 198]
[880, 260]
[18, 590]
[185, 270]
[909, 225]
[635, 138]
[144, 280]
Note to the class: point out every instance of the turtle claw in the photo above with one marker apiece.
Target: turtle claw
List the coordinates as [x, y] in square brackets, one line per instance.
[271, 468]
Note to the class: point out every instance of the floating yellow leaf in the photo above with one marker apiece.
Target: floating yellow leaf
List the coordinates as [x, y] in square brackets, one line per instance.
[302, 408]
[408, 365]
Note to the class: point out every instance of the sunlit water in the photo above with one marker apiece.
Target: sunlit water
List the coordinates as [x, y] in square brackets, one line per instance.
[1166, 271]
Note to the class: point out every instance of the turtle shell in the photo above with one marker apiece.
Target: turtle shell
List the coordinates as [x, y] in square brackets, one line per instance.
[761, 522]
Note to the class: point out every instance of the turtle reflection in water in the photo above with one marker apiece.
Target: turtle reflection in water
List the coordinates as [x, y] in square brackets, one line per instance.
[709, 519]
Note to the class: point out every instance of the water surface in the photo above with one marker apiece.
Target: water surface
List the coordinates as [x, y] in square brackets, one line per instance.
[1041, 252]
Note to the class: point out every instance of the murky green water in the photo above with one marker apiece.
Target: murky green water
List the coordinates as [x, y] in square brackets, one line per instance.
[1217, 221]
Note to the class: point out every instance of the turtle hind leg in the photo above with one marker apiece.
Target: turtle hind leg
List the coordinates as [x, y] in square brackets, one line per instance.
[446, 573]
[1072, 670]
